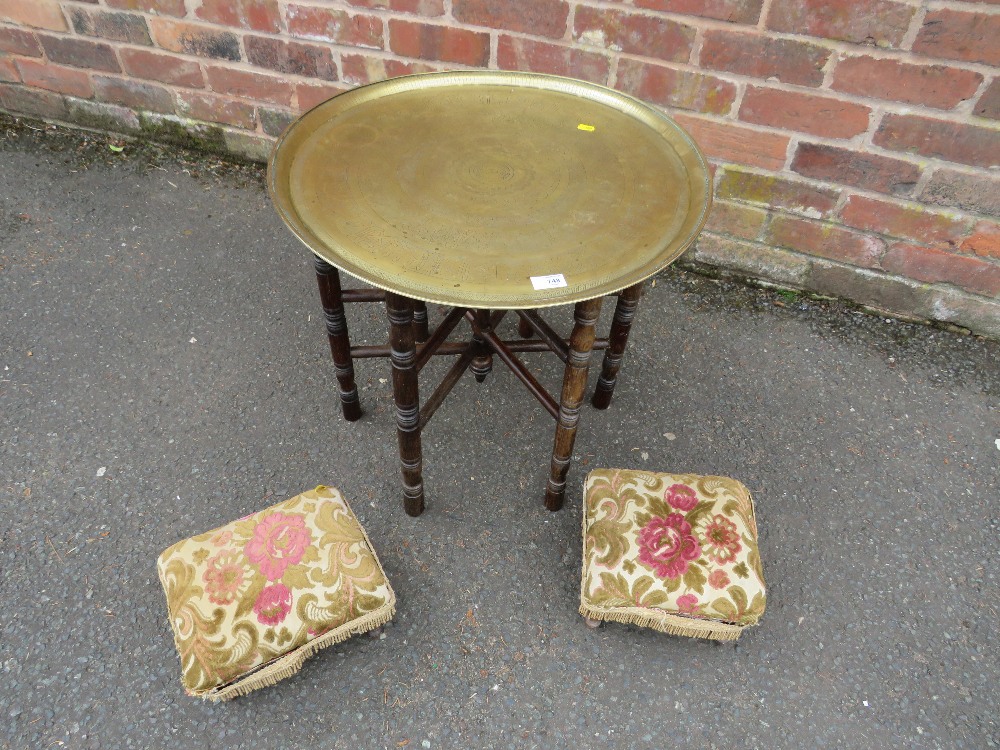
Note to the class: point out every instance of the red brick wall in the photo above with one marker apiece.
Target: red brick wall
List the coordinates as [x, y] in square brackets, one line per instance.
[856, 143]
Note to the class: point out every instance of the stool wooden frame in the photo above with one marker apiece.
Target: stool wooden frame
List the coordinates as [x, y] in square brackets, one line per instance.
[412, 344]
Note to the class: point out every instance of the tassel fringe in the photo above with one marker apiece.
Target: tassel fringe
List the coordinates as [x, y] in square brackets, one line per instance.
[284, 666]
[287, 665]
[665, 622]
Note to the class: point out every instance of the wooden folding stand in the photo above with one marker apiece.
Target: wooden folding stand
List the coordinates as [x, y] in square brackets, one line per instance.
[412, 344]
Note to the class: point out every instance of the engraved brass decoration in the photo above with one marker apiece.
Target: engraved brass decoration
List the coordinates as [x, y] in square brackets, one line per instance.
[456, 188]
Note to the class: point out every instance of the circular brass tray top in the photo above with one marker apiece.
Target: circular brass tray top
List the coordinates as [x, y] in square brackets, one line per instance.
[458, 188]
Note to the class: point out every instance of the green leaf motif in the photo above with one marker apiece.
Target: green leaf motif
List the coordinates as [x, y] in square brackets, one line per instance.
[739, 597]
[725, 608]
[249, 598]
[702, 509]
[741, 570]
[695, 579]
[296, 577]
[755, 611]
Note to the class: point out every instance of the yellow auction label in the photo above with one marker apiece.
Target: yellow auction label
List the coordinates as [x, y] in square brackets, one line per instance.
[588, 128]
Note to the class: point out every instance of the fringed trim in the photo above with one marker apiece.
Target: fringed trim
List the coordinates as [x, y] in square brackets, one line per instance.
[665, 622]
[287, 665]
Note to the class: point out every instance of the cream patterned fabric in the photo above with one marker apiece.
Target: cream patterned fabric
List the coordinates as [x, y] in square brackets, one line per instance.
[249, 601]
[674, 552]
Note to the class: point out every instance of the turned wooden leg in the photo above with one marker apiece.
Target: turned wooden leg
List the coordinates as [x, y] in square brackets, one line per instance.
[328, 279]
[482, 364]
[628, 300]
[405, 392]
[574, 383]
[524, 329]
[421, 330]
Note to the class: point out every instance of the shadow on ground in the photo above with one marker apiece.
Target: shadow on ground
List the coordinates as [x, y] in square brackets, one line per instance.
[163, 370]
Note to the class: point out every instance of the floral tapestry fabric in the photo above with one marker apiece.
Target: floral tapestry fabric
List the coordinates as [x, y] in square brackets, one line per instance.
[677, 552]
[249, 601]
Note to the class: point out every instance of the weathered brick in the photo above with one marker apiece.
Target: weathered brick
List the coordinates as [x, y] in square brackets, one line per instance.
[40, 14]
[755, 260]
[361, 69]
[737, 144]
[675, 88]
[296, 58]
[772, 191]
[160, 7]
[417, 7]
[445, 43]
[788, 60]
[309, 95]
[989, 103]
[957, 142]
[134, 94]
[248, 145]
[735, 219]
[102, 115]
[259, 15]
[53, 77]
[979, 314]
[28, 101]
[932, 265]
[805, 113]
[825, 240]
[199, 105]
[274, 121]
[633, 33]
[537, 17]
[872, 288]
[734, 11]
[334, 25]
[904, 221]
[80, 53]
[120, 27]
[879, 22]
[20, 42]
[257, 86]
[192, 39]
[159, 67]
[983, 240]
[969, 192]
[938, 86]
[847, 167]
[517, 53]
[956, 35]
[8, 70]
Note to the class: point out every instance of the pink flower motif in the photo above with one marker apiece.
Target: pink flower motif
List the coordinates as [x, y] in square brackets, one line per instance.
[223, 576]
[222, 538]
[718, 579]
[667, 545]
[681, 497]
[687, 603]
[721, 539]
[273, 604]
[278, 541]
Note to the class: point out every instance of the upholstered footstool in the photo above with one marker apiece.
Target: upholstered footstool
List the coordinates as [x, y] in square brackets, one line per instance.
[673, 552]
[250, 601]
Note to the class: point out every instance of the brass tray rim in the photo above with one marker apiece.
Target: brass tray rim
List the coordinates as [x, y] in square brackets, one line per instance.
[283, 204]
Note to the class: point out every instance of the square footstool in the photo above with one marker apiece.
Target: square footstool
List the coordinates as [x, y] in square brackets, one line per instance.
[673, 552]
[250, 601]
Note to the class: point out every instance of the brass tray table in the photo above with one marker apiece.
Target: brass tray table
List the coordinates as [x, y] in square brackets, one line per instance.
[487, 192]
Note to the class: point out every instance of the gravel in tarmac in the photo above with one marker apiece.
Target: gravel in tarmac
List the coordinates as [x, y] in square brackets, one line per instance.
[164, 370]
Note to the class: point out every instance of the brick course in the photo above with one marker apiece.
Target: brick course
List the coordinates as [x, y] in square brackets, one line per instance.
[854, 144]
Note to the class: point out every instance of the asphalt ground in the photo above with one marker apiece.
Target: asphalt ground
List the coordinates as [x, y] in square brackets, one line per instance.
[164, 370]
